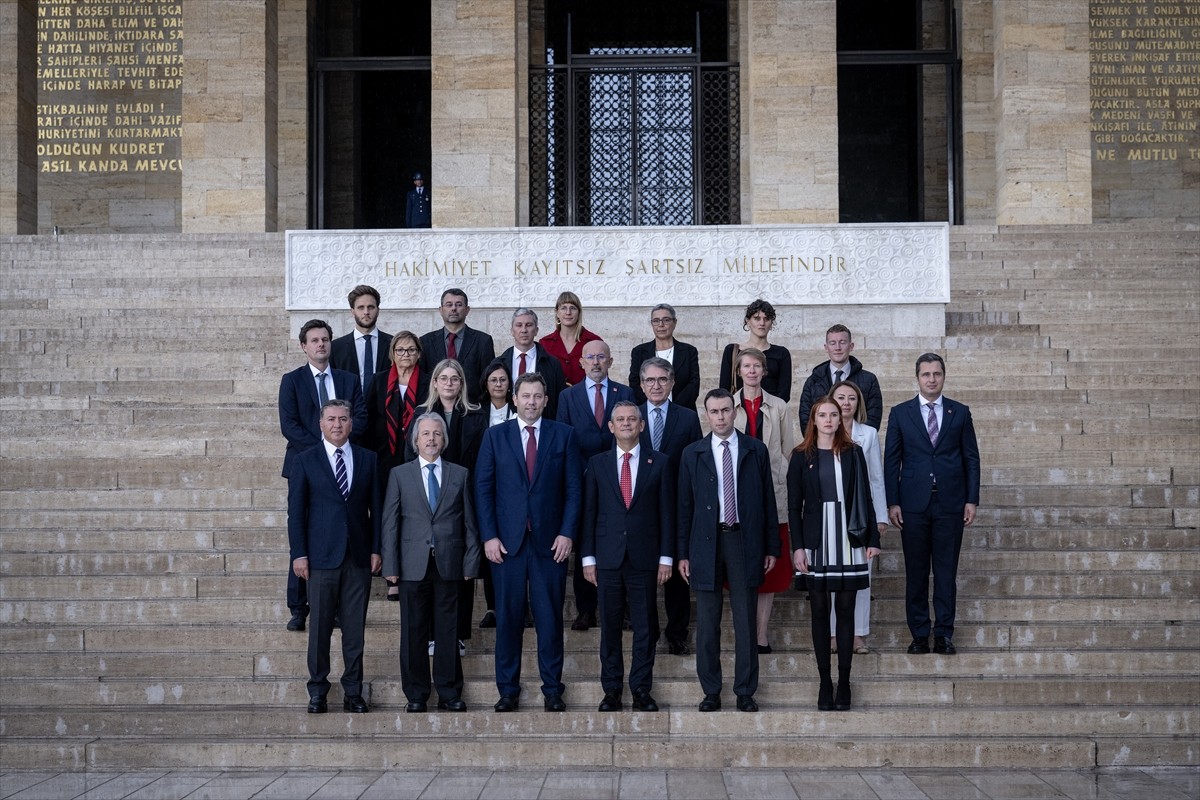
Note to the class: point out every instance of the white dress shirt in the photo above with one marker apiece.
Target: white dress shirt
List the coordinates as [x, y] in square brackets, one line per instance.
[347, 459]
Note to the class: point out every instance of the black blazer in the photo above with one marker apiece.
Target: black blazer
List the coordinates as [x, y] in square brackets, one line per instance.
[475, 351]
[686, 362]
[700, 511]
[465, 432]
[550, 369]
[804, 497]
[681, 428]
[344, 355]
[646, 530]
[376, 436]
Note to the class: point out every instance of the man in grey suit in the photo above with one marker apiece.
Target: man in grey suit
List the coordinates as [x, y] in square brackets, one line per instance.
[430, 544]
[728, 531]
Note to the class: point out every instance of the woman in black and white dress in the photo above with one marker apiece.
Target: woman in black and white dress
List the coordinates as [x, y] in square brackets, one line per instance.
[834, 536]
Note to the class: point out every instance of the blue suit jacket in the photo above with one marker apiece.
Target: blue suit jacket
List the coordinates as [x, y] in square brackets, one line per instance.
[646, 530]
[700, 511]
[575, 409]
[506, 500]
[322, 525]
[911, 464]
[300, 410]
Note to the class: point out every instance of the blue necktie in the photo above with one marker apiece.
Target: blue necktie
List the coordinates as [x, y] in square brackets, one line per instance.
[339, 473]
[656, 430]
[434, 488]
[322, 392]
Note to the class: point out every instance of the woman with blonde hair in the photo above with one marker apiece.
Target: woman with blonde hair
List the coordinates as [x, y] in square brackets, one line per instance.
[569, 337]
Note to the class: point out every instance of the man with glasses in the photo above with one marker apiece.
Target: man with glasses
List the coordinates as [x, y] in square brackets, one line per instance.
[469, 347]
[587, 407]
[683, 358]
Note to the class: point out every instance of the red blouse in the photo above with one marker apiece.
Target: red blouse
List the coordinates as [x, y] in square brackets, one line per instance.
[553, 344]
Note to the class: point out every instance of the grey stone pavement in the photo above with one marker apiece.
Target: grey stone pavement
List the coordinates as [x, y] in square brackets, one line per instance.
[588, 783]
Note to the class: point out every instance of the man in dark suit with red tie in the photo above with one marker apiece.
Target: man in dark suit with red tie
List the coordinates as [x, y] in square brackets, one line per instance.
[669, 428]
[363, 351]
[728, 531]
[302, 392]
[931, 475]
[334, 502]
[528, 493]
[586, 407]
[526, 355]
[455, 339]
[627, 547]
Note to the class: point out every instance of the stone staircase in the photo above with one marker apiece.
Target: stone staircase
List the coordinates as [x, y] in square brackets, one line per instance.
[143, 541]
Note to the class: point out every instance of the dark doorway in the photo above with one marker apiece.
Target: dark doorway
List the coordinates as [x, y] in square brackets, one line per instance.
[899, 111]
[370, 111]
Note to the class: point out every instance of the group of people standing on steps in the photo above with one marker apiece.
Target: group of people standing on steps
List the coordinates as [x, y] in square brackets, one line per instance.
[433, 462]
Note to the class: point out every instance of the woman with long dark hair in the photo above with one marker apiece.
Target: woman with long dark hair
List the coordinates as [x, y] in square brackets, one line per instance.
[834, 537]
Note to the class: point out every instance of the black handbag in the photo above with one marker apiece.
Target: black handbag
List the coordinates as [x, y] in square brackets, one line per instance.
[860, 518]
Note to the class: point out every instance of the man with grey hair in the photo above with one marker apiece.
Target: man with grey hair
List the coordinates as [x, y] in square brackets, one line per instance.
[682, 357]
[526, 355]
[430, 545]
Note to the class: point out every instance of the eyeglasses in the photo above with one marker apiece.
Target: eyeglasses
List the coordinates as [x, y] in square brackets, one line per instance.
[596, 357]
[500, 381]
[656, 381]
[406, 351]
[661, 320]
[449, 379]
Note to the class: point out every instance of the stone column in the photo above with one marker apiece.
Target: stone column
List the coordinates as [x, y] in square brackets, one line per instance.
[293, 114]
[474, 106]
[978, 113]
[230, 113]
[18, 117]
[1043, 149]
[789, 111]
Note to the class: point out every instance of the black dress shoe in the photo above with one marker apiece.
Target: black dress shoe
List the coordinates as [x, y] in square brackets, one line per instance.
[611, 702]
[317, 705]
[677, 648]
[554, 702]
[746, 703]
[416, 707]
[355, 704]
[395, 598]
[919, 647]
[825, 695]
[711, 702]
[507, 702]
[584, 622]
[943, 645]
[764, 649]
[841, 701]
[296, 623]
[642, 701]
[489, 620]
[455, 704]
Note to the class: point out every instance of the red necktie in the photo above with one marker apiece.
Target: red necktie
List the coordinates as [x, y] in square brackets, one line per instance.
[521, 368]
[531, 451]
[626, 481]
[451, 350]
[598, 406]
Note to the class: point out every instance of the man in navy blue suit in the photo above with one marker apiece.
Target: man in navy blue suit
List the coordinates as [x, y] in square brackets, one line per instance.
[302, 392]
[586, 407]
[334, 502]
[528, 491]
[627, 547]
[669, 428]
[931, 474]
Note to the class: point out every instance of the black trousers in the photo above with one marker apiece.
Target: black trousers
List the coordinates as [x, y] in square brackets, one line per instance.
[429, 611]
[342, 593]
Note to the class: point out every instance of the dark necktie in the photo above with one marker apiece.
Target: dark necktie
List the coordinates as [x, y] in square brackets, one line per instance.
[626, 481]
[521, 367]
[368, 367]
[451, 350]
[433, 486]
[339, 473]
[598, 406]
[837, 376]
[322, 392]
[531, 451]
[931, 424]
[728, 489]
